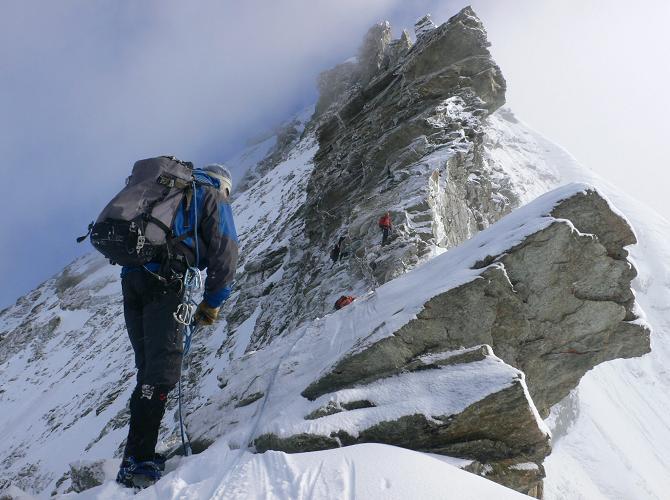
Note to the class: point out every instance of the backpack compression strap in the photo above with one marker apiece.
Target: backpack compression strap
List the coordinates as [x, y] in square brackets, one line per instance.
[82, 238]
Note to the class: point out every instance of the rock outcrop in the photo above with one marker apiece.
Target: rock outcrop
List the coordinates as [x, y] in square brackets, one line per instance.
[413, 363]
[89, 474]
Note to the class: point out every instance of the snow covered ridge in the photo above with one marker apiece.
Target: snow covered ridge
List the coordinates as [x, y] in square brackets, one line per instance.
[410, 129]
[412, 363]
[441, 389]
[367, 471]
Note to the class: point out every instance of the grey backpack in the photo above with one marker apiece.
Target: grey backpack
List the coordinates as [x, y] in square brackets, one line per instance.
[135, 226]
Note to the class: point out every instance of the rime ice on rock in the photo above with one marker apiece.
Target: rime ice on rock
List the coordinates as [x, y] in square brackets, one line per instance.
[424, 25]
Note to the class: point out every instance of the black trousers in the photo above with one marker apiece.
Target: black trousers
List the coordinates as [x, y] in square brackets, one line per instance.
[386, 232]
[156, 338]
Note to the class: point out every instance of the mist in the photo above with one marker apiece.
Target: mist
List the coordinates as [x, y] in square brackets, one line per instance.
[591, 76]
[90, 87]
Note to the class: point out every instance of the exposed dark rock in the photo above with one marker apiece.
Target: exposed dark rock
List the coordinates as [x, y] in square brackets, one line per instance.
[330, 409]
[295, 444]
[87, 474]
[251, 398]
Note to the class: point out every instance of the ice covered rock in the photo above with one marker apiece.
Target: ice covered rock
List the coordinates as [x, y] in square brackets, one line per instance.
[423, 25]
[410, 365]
[554, 305]
[409, 141]
[86, 474]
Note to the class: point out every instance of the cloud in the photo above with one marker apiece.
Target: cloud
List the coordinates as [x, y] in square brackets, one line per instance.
[89, 87]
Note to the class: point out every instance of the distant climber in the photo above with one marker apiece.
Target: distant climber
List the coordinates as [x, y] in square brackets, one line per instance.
[386, 226]
[340, 250]
[154, 277]
[344, 301]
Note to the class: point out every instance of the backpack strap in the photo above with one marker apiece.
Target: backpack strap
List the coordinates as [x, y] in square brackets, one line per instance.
[172, 182]
[150, 218]
[181, 238]
[90, 228]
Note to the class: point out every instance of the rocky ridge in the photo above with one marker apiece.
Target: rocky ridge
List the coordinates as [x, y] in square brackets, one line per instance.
[400, 128]
[420, 371]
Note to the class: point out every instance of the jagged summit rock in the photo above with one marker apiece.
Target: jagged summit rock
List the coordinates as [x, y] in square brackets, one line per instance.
[409, 140]
[461, 37]
[372, 51]
[423, 25]
[398, 48]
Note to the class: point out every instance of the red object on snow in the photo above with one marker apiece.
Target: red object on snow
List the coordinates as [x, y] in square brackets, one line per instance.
[385, 221]
[343, 301]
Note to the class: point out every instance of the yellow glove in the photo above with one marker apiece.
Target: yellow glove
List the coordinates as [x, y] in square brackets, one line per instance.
[205, 314]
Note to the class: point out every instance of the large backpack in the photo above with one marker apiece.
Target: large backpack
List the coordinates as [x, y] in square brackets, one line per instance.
[135, 226]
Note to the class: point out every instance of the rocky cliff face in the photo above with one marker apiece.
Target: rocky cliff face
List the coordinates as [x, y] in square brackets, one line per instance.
[399, 129]
[458, 354]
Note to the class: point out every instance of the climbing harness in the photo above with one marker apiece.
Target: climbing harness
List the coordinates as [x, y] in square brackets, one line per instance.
[185, 315]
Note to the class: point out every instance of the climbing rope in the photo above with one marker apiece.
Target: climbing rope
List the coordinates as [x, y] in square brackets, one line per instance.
[185, 315]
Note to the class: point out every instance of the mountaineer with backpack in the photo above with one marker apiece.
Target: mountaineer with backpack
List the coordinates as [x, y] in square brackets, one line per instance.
[167, 224]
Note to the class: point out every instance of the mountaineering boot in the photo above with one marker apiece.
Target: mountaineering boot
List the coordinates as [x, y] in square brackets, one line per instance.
[134, 474]
[124, 476]
[159, 460]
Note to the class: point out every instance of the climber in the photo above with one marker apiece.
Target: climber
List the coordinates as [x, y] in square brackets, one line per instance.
[344, 301]
[386, 227]
[150, 301]
[339, 251]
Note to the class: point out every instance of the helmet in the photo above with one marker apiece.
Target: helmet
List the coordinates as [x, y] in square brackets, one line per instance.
[222, 174]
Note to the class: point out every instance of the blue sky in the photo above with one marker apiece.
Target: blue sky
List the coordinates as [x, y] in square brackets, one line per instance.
[89, 87]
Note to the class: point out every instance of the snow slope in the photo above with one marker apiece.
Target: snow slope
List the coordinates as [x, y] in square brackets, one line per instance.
[67, 370]
[611, 437]
[368, 471]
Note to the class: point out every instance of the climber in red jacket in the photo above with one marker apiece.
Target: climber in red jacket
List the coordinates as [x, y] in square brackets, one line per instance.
[386, 226]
